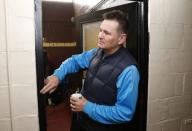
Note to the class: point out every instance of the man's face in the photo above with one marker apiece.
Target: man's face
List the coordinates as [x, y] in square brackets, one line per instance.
[110, 38]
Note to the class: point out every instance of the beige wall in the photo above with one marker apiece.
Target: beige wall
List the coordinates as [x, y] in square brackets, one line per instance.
[170, 65]
[18, 95]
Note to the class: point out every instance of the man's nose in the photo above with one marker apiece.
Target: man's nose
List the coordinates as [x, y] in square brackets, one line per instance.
[100, 35]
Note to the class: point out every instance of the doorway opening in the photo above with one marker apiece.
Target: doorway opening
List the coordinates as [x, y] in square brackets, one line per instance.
[59, 44]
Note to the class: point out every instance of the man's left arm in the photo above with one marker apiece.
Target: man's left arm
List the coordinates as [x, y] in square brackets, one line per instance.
[124, 108]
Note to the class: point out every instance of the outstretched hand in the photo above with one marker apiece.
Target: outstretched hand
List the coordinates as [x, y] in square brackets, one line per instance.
[51, 83]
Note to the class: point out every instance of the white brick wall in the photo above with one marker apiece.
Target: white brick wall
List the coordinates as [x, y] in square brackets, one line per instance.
[170, 65]
[5, 115]
[18, 91]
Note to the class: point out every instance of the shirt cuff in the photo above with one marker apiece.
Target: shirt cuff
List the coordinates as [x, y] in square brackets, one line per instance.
[88, 107]
[57, 75]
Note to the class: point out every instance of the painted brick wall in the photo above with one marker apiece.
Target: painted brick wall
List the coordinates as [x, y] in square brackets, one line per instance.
[18, 95]
[170, 65]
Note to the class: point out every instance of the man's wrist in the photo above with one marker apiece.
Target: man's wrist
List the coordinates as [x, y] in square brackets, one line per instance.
[88, 107]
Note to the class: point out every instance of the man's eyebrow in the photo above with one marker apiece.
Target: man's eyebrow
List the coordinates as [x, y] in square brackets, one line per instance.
[105, 31]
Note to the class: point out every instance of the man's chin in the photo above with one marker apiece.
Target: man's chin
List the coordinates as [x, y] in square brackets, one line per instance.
[100, 46]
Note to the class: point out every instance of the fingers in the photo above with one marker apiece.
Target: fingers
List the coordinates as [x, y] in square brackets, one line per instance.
[46, 88]
[75, 104]
[73, 107]
[51, 84]
[52, 90]
[49, 87]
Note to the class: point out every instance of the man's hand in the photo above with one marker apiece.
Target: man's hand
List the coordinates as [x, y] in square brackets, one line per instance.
[51, 84]
[77, 104]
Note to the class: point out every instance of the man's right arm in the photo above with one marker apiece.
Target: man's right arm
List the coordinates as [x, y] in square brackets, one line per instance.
[74, 64]
[71, 65]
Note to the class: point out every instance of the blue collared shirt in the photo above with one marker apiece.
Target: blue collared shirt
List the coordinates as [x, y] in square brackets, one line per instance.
[127, 90]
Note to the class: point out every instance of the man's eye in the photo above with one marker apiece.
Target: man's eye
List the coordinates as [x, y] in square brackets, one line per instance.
[107, 33]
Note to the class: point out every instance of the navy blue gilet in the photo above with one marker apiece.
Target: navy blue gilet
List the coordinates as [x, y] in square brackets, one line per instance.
[100, 85]
[101, 77]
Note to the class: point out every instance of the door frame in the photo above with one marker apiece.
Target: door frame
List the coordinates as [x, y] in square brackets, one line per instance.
[143, 13]
[39, 65]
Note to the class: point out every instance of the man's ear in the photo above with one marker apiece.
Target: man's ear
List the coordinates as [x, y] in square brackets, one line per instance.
[122, 39]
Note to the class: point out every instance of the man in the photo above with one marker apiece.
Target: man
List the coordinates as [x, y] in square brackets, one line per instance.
[111, 87]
